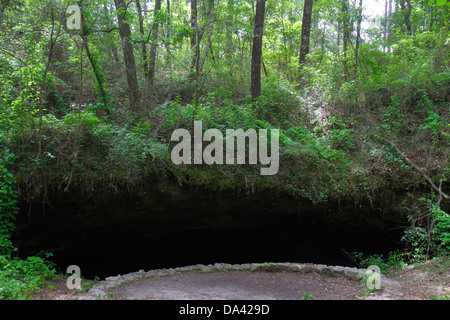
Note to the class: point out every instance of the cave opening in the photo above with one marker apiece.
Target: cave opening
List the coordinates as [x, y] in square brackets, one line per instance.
[122, 238]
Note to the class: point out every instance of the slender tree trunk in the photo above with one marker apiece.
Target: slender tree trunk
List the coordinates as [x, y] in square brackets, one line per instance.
[257, 50]
[152, 55]
[345, 34]
[92, 57]
[338, 51]
[306, 31]
[128, 56]
[169, 31]
[209, 30]
[358, 34]
[389, 26]
[96, 69]
[194, 22]
[110, 41]
[322, 42]
[228, 26]
[141, 31]
[169, 17]
[407, 17]
[385, 25]
[432, 16]
[406, 8]
[194, 40]
[53, 40]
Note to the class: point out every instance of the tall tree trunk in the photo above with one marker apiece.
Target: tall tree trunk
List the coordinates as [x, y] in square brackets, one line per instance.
[92, 57]
[407, 17]
[432, 16]
[338, 44]
[406, 8]
[169, 31]
[306, 31]
[152, 56]
[53, 41]
[358, 34]
[208, 29]
[128, 56]
[322, 41]
[169, 17]
[110, 40]
[141, 31]
[389, 26]
[194, 40]
[345, 34]
[385, 25]
[229, 34]
[257, 50]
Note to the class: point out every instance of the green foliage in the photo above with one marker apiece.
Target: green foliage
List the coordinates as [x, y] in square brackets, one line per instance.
[17, 276]
[433, 124]
[134, 154]
[394, 261]
[442, 227]
[8, 206]
[341, 137]
[444, 296]
[392, 118]
[418, 241]
[315, 161]
[278, 102]
[429, 232]
[397, 87]
[19, 95]
[306, 296]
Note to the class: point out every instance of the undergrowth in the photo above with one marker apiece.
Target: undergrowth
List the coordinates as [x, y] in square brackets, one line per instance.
[17, 276]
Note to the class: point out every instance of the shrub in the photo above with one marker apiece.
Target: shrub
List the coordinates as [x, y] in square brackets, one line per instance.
[429, 233]
[8, 207]
[278, 102]
[17, 276]
[394, 261]
[442, 228]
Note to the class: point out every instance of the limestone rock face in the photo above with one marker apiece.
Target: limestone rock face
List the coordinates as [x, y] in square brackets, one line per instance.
[166, 204]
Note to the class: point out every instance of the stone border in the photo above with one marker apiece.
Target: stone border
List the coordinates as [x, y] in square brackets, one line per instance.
[99, 290]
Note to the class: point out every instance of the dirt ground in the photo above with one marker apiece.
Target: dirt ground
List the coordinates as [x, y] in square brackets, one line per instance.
[430, 280]
[425, 281]
[240, 285]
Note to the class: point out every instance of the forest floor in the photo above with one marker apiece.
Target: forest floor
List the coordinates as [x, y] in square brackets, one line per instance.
[424, 281]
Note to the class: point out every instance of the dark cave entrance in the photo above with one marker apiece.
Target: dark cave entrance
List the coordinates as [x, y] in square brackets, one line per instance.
[245, 233]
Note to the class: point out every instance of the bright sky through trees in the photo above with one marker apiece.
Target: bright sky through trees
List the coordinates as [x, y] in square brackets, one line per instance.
[373, 7]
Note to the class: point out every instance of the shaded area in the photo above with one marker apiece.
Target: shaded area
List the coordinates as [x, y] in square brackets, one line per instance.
[164, 225]
[119, 249]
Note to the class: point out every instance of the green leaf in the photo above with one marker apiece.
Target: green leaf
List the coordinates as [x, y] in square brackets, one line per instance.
[440, 3]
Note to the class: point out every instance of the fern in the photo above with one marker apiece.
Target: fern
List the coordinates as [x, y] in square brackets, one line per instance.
[442, 229]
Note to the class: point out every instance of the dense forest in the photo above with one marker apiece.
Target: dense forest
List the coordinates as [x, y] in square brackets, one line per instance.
[91, 92]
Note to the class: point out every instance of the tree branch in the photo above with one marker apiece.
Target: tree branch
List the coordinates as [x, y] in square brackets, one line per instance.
[438, 189]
